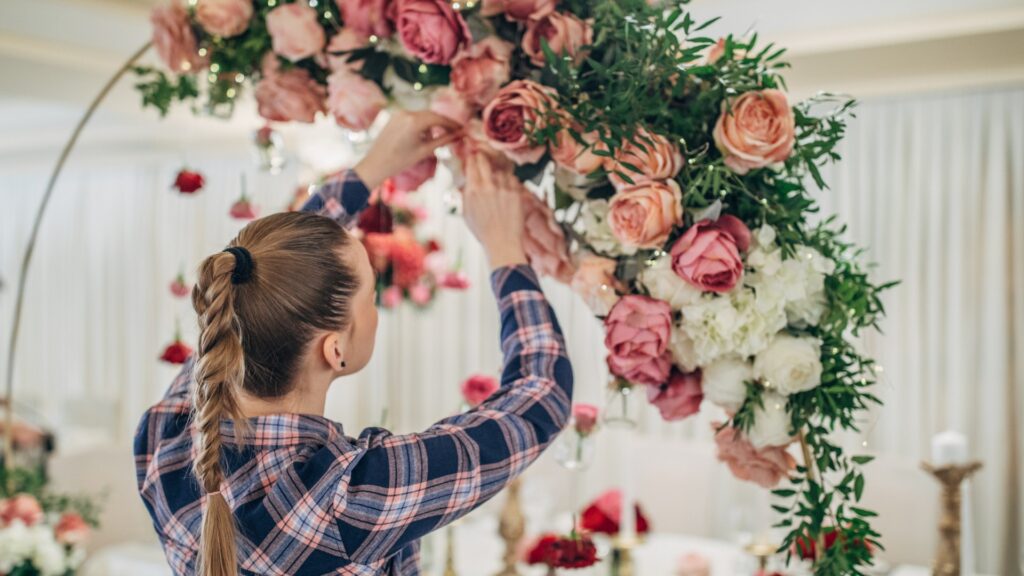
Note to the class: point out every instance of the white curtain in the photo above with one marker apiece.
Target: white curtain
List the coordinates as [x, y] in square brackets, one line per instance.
[933, 185]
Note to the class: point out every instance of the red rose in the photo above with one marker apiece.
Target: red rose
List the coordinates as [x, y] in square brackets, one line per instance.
[603, 515]
[431, 30]
[805, 546]
[433, 246]
[176, 353]
[376, 219]
[708, 254]
[575, 551]
[478, 388]
[188, 181]
[243, 209]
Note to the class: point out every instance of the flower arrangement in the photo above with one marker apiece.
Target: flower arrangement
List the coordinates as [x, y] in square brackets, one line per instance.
[680, 209]
[602, 516]
[577, 550]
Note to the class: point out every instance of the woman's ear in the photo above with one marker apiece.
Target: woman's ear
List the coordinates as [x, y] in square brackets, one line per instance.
[333, 351]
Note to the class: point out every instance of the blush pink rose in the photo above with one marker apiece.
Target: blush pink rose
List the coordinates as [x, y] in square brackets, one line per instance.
[766, 467]
[23, 507]
[656, 157]
[757, 131]
[517, 110]
[708, 254]
[478, 73]
[478, 388]
[585, 418]
[576, 156]
[678, 398]
[637, 333]
[544, 240]
[353, 100]
[431, 30]
[295, 31]
[454, 281]
[420, 294]
[413, 177]
[173, 39]
[345, 41]
[225, 18]
[289, 95]
[565, 34]
[519, 10]
[643, 215]
[71, 529]
[595, 282]
[391, 297]
[368, 17]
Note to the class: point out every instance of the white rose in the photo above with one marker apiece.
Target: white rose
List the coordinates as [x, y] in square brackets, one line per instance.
[790, 364]
[664, 284]
[724, 382]
[684, 355]
[594, 218]
[48, 555]
[771, 423]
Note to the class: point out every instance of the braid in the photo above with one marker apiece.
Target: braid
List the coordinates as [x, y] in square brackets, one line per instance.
[219, 374]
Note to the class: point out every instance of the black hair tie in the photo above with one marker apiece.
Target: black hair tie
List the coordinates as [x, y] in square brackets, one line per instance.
[243, 265]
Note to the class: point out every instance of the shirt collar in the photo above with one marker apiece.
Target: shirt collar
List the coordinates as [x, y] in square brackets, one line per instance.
[282, 430]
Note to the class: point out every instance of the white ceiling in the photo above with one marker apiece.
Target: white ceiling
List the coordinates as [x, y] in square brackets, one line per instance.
[56, 54]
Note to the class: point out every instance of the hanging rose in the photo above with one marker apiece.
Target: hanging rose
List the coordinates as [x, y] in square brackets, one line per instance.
[189, 182]
[478, 388]
[391, 297]
[584, 418]
[243, 209]
[603, 515]
[179, 288]
[454, 281]
[421, 294]
[177, 352]
[755, 130]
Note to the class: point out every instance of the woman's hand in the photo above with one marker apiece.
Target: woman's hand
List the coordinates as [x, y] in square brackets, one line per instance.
[408, 138]
[493, 209]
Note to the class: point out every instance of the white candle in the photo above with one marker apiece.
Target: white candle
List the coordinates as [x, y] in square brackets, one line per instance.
[627, 521]
[948, 448]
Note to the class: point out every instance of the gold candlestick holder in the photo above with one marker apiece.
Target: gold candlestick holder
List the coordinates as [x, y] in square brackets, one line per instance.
[947, 558]
[449, 551]
[763, 552]
[622, 556]
[511, 527]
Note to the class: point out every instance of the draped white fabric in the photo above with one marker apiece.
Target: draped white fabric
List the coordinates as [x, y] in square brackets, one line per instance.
[933, 185]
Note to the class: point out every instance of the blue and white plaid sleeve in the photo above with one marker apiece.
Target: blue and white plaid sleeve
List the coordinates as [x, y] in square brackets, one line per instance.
[341, 199]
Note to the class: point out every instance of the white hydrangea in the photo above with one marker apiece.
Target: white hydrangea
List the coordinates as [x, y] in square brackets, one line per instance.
[48, 555]
[594, 217]
[663, 283]
[682, 349]
[796, 283]
[724, 382]
[20, 544]
[790, 364]
[16, 543]
[738, 323]
[771, 422]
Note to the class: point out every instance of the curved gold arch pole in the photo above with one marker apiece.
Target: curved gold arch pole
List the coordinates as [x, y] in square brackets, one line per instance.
[26, 261]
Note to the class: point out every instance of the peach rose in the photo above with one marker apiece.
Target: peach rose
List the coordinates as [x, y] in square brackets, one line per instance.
[71, 529]
[565, 34]
[596, 283]
[431, 30]
[755, 130]
[708, 254]
[295, 31]
[575, 156]
[290, 95]
[678, 398]
[658, 159]
[544, 240]
[368, 17]
[766, 467]
[520, 10]
[345, 41]
[718, 50]
[518, 109]
[353, 100]
[173, 39]
[637, 333]
[643, 215]
[225, 18]
[478, 73]
[23, 507]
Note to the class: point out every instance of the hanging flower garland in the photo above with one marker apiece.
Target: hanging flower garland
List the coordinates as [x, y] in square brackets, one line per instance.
[680, 210]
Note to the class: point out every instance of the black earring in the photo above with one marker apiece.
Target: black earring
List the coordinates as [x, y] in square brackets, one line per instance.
[343, 364]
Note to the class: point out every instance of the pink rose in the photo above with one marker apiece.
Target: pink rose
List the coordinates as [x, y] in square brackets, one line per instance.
[544, 240]
[179, 288]
[518, 108]
[412, 178]
[643, 215]
[420, 294]
[757, 131]
[71, 529]
[295, 31]
[454, 281]
[575, 156]
[565, 34]
[585, 418]
[637, 333]
[391, 297]
[708, 254]
[367, 17]
[291, 95]
[596, 283]
[478, 73]
[243, 209]
[345, 41]
[478, 388]
[23, 507]
[431, 30]
[225, 18]
[353, 100]
[678, 398]
[173, 39]
[658, 159]
[766, 467]
[520, 10]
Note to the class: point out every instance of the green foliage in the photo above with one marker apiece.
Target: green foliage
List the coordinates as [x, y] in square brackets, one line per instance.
[34, 482]
[161, 91]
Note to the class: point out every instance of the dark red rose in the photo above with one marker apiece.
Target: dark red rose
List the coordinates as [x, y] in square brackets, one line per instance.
[805, 547]
[433, 246]
[176, 353]
[573, 551]
[603, 514]
[188, 182]
[542, 551]
[377, 219]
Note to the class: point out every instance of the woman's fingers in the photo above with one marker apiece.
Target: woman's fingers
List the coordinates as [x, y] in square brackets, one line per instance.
[425, 120]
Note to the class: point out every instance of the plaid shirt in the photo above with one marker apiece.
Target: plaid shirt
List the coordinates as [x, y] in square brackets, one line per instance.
[308, 499]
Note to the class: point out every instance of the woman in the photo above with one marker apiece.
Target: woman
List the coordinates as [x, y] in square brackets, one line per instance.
[237, 465]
